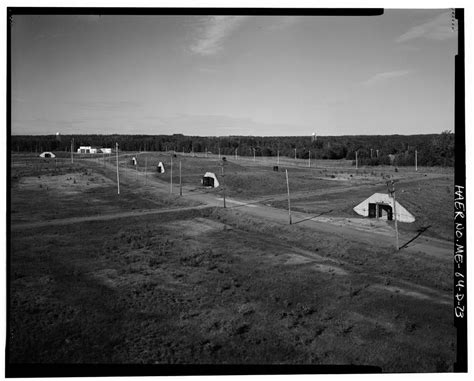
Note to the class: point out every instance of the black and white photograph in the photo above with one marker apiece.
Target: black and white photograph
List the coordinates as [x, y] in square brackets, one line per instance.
[235, 191]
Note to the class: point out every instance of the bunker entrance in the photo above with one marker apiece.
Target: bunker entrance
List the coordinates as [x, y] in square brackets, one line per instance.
[380, 210]
[208, 182]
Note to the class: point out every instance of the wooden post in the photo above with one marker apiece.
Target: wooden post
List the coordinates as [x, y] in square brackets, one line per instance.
[278, 157]
[180, 183]
[219, 153]
[235, 154]
[295, 153]
[356, 160]
[136, 169]
[416, 161]
[118, 178]
[72, 151]
[253, 155]
[146, 178]
[171, 175]
[288, 189]
[391, 189]
[223, 182]
[395, 216]
[309, 158]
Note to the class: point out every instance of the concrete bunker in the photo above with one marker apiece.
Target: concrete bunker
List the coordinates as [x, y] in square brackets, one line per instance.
[160, 168]
[48, 155]
[382, 206]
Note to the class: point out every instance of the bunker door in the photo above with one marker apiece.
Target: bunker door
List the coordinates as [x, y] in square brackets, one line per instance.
[372, 210]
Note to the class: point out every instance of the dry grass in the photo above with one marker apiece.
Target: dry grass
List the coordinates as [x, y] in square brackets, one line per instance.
[216, 286]
[151, 292]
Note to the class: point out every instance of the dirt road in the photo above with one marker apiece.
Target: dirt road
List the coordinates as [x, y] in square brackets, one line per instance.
[102, 217]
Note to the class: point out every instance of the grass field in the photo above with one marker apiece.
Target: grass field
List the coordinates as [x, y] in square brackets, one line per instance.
[429, 201]
[217, 285]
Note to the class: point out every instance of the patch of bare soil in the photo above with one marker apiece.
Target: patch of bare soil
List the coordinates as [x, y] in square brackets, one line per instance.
[69, 183]
[85, 192]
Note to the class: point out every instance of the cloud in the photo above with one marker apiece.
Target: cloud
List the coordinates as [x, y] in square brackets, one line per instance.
[283, 22]
[438, 28]
[214, 30]
[385, 76]
[207, 69]
[105, 105]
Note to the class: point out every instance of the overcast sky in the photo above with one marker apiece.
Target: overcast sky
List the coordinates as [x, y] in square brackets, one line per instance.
[234, 75]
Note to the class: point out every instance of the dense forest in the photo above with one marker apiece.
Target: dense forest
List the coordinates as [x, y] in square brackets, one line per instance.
[432, 149]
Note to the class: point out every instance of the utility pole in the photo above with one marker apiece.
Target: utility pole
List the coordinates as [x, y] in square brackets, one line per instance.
[219, 152]
[278, 157]
[136, 169]
[236, 154]
[253, 155]
[171, 175]
[223, 179]
[309, 159]
[146, 178]
[295, 153]
[356, 161]
[72, 151]
[118, 179]
[180, 184]
[416, 160]
[288, 189]
[391, 190]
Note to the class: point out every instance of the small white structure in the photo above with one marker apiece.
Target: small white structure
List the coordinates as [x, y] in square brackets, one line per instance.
[48, 155]
[86, 149]
[160, 168]
[210, 180]
[381, 205]
[90, 149]
[134, 161]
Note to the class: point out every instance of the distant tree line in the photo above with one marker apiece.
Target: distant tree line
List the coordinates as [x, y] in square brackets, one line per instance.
[432, 149]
